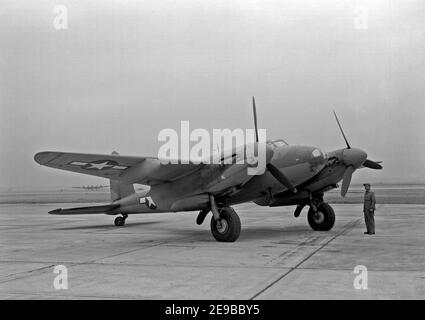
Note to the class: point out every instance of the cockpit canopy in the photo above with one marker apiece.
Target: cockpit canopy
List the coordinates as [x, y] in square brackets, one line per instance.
[277, 143]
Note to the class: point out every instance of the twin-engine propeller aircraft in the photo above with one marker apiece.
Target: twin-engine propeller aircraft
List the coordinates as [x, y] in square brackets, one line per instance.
[294, 175]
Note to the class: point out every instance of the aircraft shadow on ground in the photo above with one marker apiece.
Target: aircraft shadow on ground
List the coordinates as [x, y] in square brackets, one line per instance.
[294, 233]
[284, 233]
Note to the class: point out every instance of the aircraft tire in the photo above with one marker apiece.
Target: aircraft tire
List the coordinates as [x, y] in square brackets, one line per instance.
[119, 221]
[324, 220]
[230, 226]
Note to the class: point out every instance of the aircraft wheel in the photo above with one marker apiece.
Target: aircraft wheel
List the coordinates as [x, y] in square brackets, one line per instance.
[228, 228]
[323, 219]
[119, 221]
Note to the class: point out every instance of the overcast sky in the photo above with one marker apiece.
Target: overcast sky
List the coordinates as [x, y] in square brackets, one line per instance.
[124, 70]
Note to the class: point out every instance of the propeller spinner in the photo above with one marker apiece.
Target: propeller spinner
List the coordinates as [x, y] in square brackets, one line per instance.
[353, 159]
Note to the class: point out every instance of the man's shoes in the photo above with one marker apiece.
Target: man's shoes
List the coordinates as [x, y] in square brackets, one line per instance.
[366, 232]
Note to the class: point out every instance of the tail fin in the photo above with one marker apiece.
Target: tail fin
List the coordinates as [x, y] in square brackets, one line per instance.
[119, 189]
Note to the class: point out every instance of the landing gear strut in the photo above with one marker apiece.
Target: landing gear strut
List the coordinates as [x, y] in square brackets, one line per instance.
[120, 221]
[225, 223]
[321, 217]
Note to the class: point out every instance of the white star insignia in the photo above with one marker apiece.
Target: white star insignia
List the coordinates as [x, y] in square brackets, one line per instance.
[99, 166]
[106, 164]
[148, 201]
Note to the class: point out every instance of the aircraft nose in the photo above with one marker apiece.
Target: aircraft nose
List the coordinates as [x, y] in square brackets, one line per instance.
[317, 156]
[354, 157]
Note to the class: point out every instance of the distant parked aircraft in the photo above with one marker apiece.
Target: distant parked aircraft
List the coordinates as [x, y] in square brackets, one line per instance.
[91, 188]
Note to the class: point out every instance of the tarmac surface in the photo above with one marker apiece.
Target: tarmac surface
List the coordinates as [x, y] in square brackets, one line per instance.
[168, 256]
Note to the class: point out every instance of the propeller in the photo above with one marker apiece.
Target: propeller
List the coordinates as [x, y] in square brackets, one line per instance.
[274, 171]
[342, 131]
[279, 176]
[346, 179]
[372, 164]
[254, 110]
[353, 158]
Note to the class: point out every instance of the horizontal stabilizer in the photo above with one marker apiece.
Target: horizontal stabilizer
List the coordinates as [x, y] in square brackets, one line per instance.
[106, 209]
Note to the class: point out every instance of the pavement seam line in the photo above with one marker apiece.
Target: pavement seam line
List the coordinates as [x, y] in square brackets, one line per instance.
[350, 225]
[24, 274]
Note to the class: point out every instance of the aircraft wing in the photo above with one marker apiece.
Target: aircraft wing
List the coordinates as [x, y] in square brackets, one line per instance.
[143, 170]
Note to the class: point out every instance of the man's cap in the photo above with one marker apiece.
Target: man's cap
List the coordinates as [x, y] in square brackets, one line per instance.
[366, 184]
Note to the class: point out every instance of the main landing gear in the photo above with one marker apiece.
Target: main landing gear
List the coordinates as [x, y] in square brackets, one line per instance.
[321, 217]
[228, 227]
[120, 221]
[225, 223]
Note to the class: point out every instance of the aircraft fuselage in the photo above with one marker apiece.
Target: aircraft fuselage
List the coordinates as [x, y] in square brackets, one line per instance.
[298, 163]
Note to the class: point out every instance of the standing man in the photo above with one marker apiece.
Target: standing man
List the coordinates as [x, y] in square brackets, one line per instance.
[369, 209]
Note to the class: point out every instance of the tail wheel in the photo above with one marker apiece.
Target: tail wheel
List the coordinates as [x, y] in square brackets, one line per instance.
[228, 228]
[323, 219]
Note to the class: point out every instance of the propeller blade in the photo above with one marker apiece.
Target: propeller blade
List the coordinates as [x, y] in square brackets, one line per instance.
[254, 110]
[279, 176]
[346, 179]
[275, 172]
[372, 164]
[342, 131]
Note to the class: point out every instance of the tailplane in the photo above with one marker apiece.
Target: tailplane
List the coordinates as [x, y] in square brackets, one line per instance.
[105, 209]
